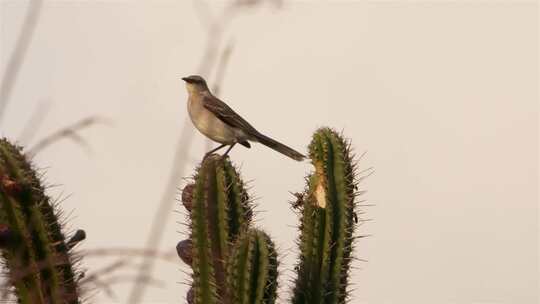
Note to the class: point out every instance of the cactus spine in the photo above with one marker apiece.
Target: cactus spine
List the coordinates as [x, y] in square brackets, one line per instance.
[326, 222]
[35, 251]
[252, 269]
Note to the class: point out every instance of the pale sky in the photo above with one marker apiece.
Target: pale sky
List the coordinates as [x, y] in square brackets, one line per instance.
[443, 96]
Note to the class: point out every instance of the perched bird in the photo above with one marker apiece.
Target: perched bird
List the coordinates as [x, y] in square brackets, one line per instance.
[217, 121]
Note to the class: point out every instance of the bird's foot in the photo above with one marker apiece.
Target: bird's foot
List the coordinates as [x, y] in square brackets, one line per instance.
[208, 155]
[215, 155]
[224, 156]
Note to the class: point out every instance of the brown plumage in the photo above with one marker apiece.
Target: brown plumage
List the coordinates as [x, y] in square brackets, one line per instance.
[219, 122]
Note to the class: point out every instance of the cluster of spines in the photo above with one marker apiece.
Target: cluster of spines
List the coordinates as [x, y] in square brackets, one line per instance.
[327, 222]
[252, 269]
[35, 252]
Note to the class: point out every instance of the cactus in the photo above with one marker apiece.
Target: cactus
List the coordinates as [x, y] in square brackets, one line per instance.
[36, 254]
[219, 212]
[327, 222]
[252, 269]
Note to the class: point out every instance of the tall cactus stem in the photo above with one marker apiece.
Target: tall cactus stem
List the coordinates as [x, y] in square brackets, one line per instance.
[219, 213]
[37, 257]
[327, 222]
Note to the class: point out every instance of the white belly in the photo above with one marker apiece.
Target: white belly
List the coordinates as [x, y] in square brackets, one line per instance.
[210, 125]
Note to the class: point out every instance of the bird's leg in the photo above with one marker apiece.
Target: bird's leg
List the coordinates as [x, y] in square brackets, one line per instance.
[214, 150]
[228, 150]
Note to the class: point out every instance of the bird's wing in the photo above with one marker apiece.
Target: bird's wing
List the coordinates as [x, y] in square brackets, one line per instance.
[227, 115]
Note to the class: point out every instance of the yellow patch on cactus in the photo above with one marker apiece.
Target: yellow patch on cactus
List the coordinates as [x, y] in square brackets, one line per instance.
[320, 188]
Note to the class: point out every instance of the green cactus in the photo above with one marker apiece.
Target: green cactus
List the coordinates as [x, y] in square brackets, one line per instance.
[327, 222]
[219, 212]
[36, 254]
[252, 269]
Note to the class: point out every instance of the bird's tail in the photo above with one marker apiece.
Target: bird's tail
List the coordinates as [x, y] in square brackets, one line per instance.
[281, 148]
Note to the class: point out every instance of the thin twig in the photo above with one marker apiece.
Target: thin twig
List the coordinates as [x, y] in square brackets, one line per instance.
[19, 53]
[215, 33]
[222, 67]
[105, 283]
[204, 13]
[126, 278]
[131, 252]
[33, 124]
[218, 81]
[98, 277]
[216, 30]
[105, 270]
[70, 132]
[163, 212]
[104, 286]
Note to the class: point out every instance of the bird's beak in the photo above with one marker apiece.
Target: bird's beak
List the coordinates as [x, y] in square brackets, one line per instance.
[185, 79]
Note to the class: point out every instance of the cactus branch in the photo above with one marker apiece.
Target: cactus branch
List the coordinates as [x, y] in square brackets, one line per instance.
[36, 254]
[327, 222]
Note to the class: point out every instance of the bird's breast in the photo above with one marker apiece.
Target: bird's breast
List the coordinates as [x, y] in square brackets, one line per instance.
[208, 124]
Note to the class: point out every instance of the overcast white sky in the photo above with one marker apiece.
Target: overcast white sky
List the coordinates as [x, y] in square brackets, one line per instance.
[443, 96]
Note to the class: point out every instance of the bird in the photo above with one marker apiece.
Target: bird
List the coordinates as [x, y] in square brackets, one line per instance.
[217, 121]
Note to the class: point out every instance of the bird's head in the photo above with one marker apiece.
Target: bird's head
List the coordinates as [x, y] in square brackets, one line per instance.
[195, 84]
